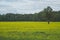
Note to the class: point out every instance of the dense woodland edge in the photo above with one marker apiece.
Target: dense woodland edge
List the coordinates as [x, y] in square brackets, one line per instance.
[44, 15]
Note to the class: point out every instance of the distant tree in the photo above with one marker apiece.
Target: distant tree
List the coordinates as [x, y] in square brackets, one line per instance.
[46, 15]
[48, 12]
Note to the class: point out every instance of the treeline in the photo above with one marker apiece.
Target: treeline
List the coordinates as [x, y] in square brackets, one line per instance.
[40, 16]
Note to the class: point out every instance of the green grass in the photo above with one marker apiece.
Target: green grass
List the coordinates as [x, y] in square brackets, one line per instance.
[29, 31]
[28, 26]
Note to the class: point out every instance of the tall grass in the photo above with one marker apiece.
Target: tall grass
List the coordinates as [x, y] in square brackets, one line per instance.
[29, 31]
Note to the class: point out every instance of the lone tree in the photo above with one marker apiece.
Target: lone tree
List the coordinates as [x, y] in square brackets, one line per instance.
[48, 12]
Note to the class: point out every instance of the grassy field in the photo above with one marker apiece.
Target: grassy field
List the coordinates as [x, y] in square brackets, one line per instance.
[29, 31]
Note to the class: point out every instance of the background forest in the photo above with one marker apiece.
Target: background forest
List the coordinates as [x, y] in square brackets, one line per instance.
[40, 16]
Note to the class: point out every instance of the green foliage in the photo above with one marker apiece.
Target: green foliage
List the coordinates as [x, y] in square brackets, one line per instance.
[29, 36]
[45, 15]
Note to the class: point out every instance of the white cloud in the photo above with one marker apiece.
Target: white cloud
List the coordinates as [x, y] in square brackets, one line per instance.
[27, 6]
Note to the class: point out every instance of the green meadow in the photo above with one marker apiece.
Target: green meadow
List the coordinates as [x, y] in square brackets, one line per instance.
[29, 31]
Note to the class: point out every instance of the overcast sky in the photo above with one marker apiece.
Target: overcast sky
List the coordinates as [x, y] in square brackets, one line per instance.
[27, 6]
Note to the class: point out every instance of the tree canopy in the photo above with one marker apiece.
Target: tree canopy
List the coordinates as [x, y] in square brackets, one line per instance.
[44, 15]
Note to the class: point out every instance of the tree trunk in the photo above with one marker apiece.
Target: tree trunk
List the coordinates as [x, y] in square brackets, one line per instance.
[48, 22]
